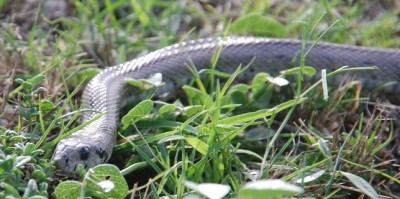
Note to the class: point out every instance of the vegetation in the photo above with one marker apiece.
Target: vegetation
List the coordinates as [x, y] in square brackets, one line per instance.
[217, 136]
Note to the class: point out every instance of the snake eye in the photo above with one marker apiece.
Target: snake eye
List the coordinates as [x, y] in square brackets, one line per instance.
[84, 153]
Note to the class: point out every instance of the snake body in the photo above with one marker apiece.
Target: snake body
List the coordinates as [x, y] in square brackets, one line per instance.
[93, 144]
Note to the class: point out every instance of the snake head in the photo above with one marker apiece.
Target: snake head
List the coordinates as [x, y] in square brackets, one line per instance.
[74, 150]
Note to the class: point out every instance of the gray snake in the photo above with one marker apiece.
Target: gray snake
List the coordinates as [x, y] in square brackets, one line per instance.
[93, 144]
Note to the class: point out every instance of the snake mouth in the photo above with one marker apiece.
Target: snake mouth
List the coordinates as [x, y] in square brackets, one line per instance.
[67, 158]
[70, 168]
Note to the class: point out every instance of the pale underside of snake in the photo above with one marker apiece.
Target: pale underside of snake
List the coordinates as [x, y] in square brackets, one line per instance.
[93, 144]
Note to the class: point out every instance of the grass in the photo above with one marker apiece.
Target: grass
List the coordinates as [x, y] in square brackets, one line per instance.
[217, 132]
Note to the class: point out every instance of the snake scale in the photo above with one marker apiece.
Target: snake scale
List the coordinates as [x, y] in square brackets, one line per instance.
[93, 144]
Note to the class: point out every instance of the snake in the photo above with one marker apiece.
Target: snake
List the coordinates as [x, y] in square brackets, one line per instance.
[104, 94]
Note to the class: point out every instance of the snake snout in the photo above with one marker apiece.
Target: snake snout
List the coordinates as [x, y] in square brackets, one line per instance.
[68, 155]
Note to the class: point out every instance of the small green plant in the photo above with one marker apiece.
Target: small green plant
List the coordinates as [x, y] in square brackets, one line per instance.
[19, 155]
[102, 181]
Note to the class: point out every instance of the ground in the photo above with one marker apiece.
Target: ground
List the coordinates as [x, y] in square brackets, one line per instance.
[50, 49]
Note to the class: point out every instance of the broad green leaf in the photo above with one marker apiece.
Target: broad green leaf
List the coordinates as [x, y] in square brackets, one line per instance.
[19, 80]
[134, 82]
[68, 189]
[197, 97]
[6, 167]
[360, 183]
[27, 86]
[268, 189]
[142, 109]
[107, 179]
[10, 190]
[258, 25]
[197, 144]
[88, 73]
[244, 88]
[36, 80]
[258, 83]
[38, 175]
[238, 93]
[239, 98]
[167, 109]
[29, 148]
[46, 105]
